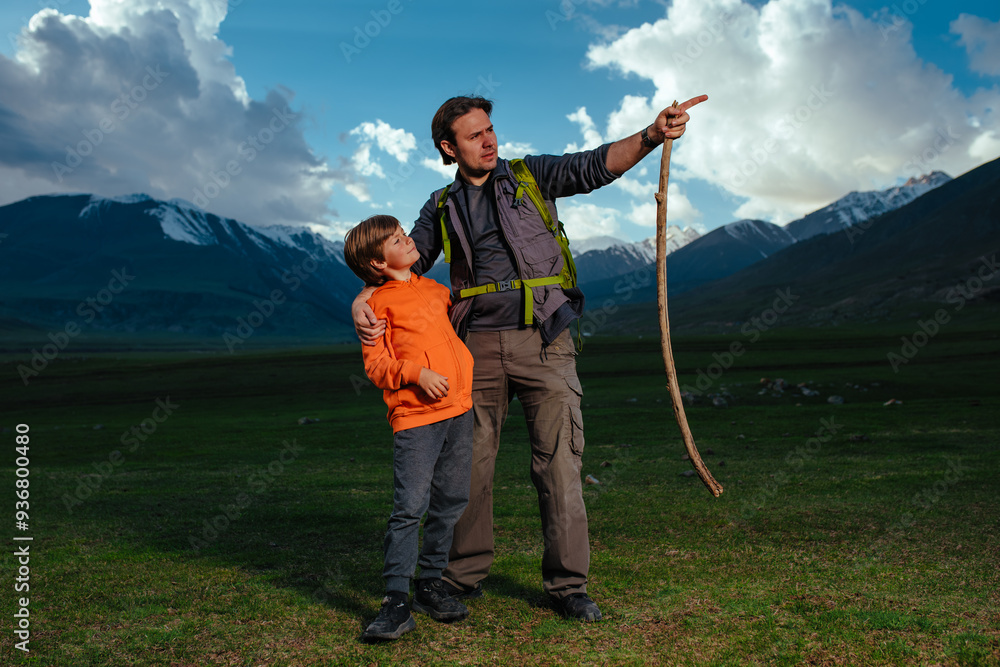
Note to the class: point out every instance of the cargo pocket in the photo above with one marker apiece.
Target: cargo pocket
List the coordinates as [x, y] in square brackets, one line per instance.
[575, 414]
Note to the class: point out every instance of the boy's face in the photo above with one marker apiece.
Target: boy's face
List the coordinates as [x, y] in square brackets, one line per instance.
[399, 253]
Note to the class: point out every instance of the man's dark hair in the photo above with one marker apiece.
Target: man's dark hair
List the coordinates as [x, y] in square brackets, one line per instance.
[364, 244]
[448, 113]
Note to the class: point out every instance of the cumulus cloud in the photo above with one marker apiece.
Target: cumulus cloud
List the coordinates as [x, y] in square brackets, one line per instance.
[584, 220]
[396, 142]
[447, 171]
[591, 136]
[981, 39]
[680, 210]
[510, 150]
[140, 96]
[808, 100]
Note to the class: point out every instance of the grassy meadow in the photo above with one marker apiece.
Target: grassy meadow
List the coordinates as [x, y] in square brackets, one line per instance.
[182, 515]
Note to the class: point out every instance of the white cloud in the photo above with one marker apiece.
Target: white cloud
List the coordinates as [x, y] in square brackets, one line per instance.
[364, 164]
[396, 142]
[981, 39]
[635, 187]
[584, 220]
[140, 96]
[591, 137]
[436, 165]
[359, 191]
[807, 100]
[680, 210]
[510, 150]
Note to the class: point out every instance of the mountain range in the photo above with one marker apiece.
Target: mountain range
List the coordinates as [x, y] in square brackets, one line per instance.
[129, 266]
[931, 258]
[134, 265]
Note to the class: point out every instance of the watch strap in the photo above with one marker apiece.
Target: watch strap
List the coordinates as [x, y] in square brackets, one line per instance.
[646, 141]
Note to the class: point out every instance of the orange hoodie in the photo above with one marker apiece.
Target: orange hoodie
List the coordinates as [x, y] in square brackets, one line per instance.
[418, 334]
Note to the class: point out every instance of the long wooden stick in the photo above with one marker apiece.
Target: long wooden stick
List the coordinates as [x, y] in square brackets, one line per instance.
[661, 299]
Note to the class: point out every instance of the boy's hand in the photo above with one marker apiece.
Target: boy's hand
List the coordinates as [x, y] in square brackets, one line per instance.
[368, 328]
[434, 384]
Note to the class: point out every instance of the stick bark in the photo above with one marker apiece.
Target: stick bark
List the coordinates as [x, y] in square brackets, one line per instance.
[661, 299]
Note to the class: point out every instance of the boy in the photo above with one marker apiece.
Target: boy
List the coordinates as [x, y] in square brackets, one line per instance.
[426, 372]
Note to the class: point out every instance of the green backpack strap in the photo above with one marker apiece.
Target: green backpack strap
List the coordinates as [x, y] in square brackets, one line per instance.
[528, 185]
[445, 241]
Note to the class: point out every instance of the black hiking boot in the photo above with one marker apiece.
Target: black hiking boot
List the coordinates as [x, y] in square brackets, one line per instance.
[579, 606]
[460, 593]
[432, 598]
[393, 620]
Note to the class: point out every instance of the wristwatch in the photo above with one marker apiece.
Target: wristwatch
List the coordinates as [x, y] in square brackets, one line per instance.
[646, 141]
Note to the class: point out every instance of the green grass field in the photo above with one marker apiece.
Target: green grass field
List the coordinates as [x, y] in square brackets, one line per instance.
[220, 531]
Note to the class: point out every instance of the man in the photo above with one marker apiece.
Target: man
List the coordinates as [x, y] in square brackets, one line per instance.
[515, 325]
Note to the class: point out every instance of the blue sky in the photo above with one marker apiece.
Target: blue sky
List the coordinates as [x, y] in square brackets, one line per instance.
[318, 113]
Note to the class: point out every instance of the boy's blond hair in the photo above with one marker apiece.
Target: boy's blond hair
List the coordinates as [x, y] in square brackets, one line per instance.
[364, 243]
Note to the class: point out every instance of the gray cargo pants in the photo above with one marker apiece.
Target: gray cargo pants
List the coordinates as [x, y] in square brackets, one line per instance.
[510, 363]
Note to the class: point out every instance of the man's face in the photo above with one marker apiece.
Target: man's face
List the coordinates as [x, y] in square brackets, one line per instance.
[475, 147]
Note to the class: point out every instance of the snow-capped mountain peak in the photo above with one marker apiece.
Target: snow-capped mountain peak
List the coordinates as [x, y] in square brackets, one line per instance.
[182, 221]
[857, 207]
[185, 223]
[744, 230]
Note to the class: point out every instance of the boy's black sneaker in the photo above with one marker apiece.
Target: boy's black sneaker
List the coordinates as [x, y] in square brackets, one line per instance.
[460, 593]
[579, 606]
[393, 620]
[432, 598]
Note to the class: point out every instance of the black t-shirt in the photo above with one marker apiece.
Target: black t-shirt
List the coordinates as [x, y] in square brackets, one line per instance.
[493, 262]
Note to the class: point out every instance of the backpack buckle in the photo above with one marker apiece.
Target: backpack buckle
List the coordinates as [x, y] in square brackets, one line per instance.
[505, 285]
[519, 195]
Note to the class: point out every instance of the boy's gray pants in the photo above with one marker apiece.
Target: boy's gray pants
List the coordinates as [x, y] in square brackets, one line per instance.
[431, 467]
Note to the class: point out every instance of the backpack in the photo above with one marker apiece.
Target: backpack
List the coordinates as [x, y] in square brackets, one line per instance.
[566, 278]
